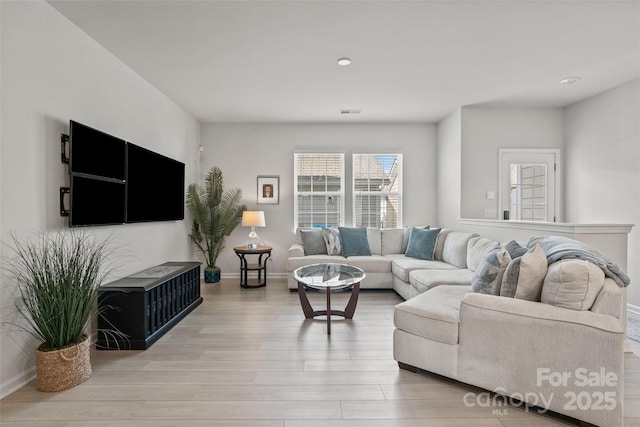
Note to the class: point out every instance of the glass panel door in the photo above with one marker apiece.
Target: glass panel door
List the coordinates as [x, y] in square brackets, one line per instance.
[528, 184]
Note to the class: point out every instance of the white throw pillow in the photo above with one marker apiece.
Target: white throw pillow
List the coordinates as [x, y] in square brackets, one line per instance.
[332, 240]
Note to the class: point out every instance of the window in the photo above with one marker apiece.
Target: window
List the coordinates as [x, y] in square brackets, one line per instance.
[377, 190]
[529, 184]
[319, 189]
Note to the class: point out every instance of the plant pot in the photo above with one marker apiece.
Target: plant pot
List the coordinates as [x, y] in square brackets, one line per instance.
[65, 368]
[212, 275]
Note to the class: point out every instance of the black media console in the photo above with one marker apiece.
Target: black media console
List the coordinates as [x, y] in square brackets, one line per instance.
[145, 305]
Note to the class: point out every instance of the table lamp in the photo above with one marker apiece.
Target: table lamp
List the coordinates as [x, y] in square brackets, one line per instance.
[253, 219]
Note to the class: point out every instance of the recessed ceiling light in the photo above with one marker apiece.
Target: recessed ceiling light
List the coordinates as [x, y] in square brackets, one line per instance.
[570, 80]
[344, 61]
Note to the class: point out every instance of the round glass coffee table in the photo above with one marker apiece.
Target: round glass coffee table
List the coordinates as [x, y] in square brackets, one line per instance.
[329, 277]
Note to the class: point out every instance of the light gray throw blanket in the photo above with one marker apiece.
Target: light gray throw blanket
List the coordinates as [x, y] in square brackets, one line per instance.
[558, 247]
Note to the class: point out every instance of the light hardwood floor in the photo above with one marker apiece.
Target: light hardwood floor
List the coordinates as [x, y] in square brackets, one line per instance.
[247, 357]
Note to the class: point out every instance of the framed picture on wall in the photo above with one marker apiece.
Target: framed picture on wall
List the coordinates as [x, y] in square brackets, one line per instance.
[268, 189]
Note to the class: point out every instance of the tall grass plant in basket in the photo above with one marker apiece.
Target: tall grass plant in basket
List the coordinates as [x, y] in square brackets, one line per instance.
[58, 277]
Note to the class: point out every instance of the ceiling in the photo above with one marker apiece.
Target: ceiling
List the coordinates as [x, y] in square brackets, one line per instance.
[412, 61]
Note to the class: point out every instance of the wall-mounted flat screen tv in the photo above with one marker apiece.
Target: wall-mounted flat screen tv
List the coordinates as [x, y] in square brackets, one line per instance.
[115, 182]
[155, 186]
[94, 152]
[96, 202]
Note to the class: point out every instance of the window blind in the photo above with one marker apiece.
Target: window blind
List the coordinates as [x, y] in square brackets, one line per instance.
[319, 189]
[377, 190]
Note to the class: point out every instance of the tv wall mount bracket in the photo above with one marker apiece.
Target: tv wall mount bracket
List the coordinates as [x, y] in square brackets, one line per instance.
[64, 157]
[63, 191]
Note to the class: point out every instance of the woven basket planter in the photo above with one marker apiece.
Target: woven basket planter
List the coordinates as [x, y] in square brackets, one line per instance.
[65, 368]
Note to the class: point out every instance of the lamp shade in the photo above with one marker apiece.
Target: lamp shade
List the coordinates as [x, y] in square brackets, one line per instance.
[253, 219]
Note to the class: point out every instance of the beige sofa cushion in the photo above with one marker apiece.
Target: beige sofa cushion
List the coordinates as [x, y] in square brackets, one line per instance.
[432, 315]
[401, 267]
[454, 249]
[477, 250]
[374, 236]
[572, 283]
[390, 241]
[371, 263]
[423, 280]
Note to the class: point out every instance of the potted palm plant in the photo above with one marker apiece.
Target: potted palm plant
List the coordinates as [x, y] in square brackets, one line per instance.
[216, 213]
[58, 276]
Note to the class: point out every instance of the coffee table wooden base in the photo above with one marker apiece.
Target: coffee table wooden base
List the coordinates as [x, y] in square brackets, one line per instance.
[310, 313]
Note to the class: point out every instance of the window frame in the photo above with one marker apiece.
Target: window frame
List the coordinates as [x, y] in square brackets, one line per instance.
[341, 192]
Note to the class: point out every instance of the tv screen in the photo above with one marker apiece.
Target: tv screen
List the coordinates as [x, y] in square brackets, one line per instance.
[155, 186]
[93, 152]
[96, 201]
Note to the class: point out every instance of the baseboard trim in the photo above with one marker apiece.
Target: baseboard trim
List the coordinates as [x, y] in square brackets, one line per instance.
[18, 382]
[633, 312]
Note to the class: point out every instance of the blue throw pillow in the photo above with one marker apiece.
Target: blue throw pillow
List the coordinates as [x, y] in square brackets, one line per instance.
[422, 243]
[354, 241]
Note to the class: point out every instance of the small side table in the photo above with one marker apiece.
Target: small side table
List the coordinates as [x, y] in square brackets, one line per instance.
[260, 267]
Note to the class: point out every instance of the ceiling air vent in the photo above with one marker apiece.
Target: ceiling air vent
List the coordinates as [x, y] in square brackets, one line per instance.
[350, 111]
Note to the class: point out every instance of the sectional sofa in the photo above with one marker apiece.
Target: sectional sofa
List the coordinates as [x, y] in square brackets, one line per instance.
[553, 340]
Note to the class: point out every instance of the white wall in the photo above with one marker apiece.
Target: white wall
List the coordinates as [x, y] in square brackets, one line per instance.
[602, 172]
[449, 170]
[244, 151]
[487, 129]
[53, 72]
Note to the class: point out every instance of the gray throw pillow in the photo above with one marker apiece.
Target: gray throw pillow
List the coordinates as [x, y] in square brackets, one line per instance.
[313, 242]
[422, 243]
[515, 249]
[487, 279]
[354, 241]
[332, 240]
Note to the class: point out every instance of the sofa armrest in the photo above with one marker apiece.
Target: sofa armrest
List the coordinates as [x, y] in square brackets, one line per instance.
[296, 250]
[520, 348]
